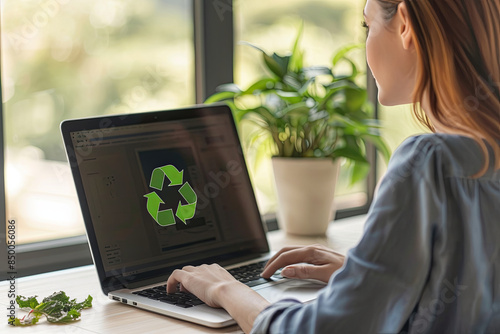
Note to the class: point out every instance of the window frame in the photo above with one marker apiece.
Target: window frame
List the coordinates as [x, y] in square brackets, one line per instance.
[3, 222]
[214, 65]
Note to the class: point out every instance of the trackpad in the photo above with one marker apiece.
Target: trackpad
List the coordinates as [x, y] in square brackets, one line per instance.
[302, 290]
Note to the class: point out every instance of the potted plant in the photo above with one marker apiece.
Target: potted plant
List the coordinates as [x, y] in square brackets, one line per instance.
[314, 117]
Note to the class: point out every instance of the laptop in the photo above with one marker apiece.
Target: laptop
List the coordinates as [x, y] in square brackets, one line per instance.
[165, 189]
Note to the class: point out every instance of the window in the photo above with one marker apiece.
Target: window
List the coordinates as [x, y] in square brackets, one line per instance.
[64, 59]
[398, 124]
[75, 59]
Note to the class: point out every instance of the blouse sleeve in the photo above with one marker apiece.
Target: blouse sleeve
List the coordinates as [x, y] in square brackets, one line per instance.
[382, 278]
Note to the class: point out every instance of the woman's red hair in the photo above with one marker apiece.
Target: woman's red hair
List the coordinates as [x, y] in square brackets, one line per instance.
[458, 47]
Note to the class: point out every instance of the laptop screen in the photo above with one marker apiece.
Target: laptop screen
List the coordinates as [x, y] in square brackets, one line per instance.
[163, 189]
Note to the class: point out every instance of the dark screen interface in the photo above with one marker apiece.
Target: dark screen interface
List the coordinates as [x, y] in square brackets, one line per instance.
[204, 207]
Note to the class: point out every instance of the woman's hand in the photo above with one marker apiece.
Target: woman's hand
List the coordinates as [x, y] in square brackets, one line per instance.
[316, 261]
[218, 288]
[205, 281]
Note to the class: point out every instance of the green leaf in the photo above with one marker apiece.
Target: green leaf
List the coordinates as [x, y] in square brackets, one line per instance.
[57, 296]
[87, 303]
[261, 85]
[63, 316]
[333, 89]
[273, 66]
[303, 90]
[315, 115]
[292, 82]
[349, 153]
[220, 97]
[282, 62]
[274, 63]
[57, 308]
[29, 320]
[229, 87]
[24, 302]
[341, 54]
[354, 71]
[315, 71]
[297, 57]
[347, 123]
[341, 84]
[358, 170]
[290, 97]
[263, 113]
[301, 109]
[252, 46]
[380, 145]
[355, 98]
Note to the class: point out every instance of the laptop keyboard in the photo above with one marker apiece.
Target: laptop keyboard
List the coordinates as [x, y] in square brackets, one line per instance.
[249, 275]
[181, 299]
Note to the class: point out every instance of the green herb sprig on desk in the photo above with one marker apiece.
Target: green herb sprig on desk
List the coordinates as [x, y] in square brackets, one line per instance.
[57, 308]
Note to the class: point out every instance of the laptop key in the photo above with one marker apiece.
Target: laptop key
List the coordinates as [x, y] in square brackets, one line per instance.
[168, 301]
[141, 293]
[258, 282]
[196, 302]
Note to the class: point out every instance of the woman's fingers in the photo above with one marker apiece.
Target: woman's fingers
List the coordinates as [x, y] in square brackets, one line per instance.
[321, 262]
[307, 271]
[202, 281]
[174, 280]
[283, 258]
[281, 251]
[287, 256]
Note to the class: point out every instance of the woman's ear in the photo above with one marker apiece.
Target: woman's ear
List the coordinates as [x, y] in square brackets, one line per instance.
[405, 28]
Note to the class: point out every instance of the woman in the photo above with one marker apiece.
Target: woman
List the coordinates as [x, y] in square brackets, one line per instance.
[429, 260]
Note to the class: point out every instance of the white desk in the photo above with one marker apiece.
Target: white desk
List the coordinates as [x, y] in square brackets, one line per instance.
[111, 317]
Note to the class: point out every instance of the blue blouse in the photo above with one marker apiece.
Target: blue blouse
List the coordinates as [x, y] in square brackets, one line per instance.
[429, 258]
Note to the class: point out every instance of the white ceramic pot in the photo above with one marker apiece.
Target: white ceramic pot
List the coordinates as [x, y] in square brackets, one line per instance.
[305, 189]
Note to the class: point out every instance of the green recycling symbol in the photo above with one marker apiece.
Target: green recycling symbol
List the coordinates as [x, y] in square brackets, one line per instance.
[184, 212]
